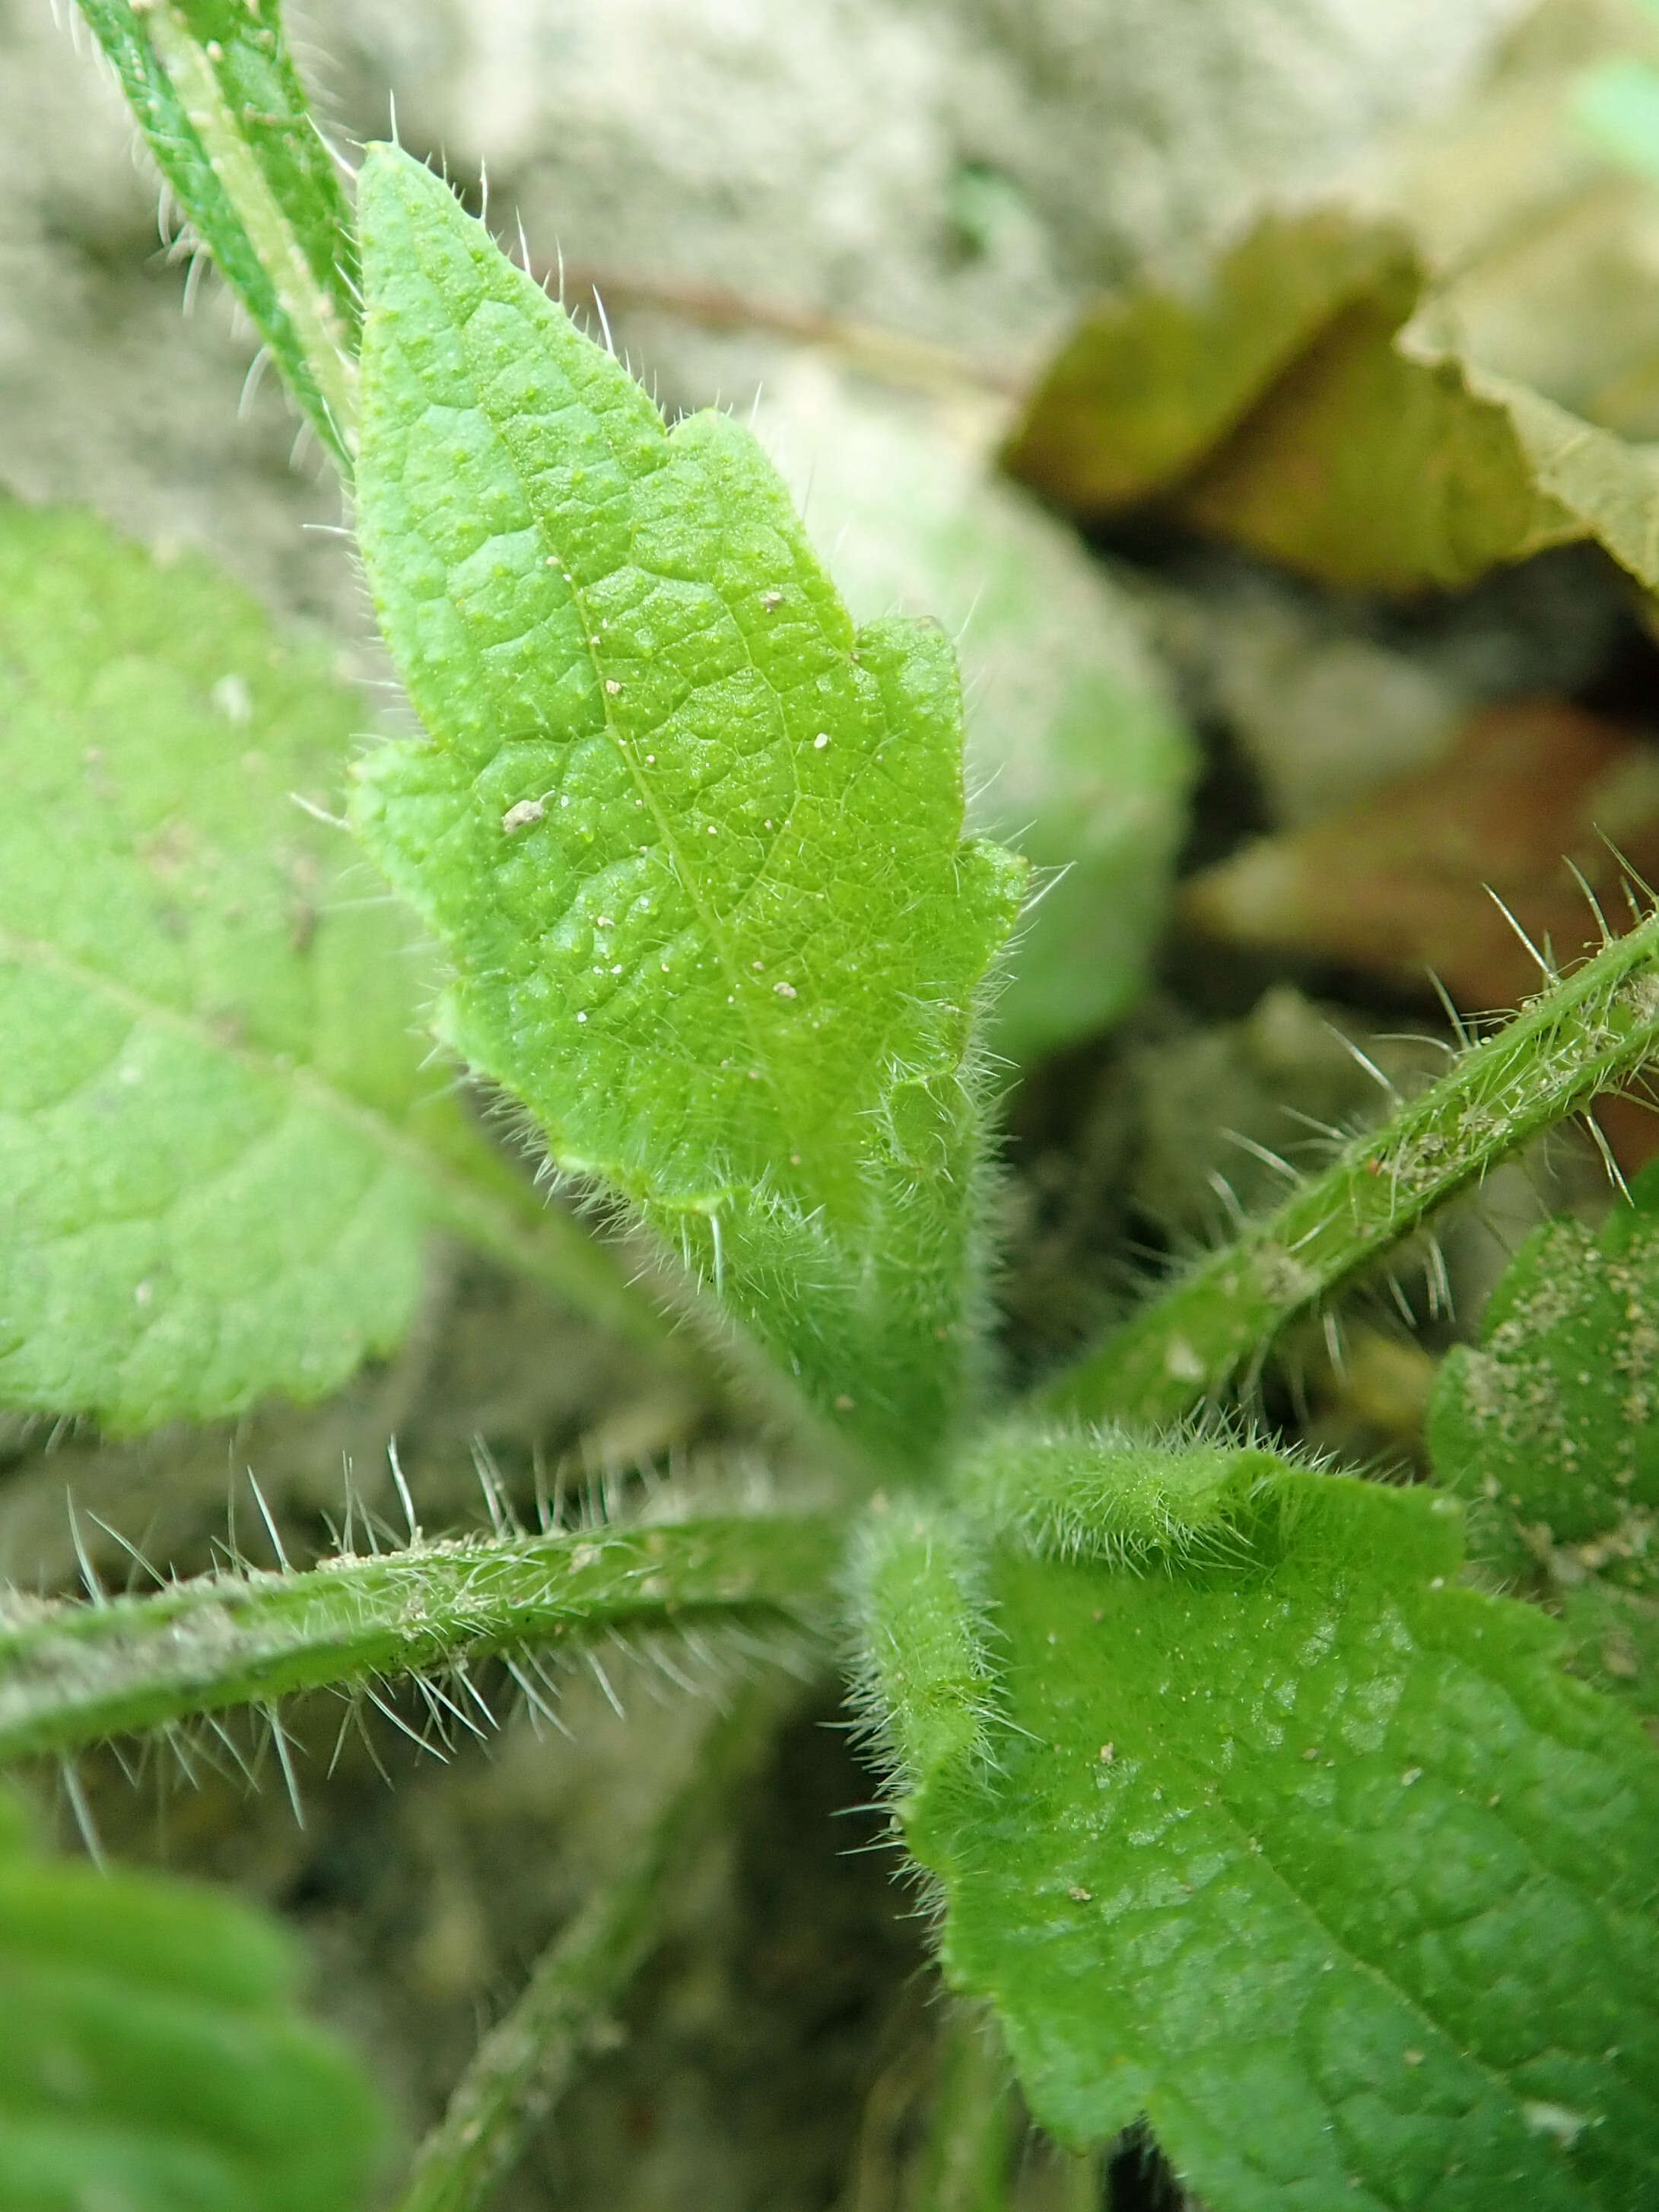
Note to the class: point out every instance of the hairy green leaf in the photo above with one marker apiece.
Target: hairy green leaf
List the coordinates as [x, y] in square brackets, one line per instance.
[693, 843]
[219, 1152]
[1376, 455]
[1285, 1841]
[216, 92]
[152, 2058]
[1613, 1640]
[1075, 754]
[1557, 1414]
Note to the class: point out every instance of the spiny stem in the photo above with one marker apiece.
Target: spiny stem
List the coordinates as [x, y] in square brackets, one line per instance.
[216, 96]
[73, 1674]
[317, 335]
[524, 2063]
[1586, 1033]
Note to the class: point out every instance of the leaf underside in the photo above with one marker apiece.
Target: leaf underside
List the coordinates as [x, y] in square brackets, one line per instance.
[694, 845]
[152, 2059]
[210, 1061]
[1319, 1862]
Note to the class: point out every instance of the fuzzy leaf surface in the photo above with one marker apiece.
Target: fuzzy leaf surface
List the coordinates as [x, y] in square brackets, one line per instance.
[219, 1153]
[1556, 1413]
[693, 843]
[1319, 1862]
[151, 2055]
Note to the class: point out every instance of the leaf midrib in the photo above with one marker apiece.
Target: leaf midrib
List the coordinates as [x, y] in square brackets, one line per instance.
[686, 877]
[464, 1204]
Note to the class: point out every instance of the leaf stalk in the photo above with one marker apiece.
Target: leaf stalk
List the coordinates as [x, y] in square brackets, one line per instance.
[72, 1675]
[1588, 1032]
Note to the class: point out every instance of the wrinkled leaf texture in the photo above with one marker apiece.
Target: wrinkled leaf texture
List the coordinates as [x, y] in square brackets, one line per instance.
[693, 843]
[219, 1149]
[1254, 1823]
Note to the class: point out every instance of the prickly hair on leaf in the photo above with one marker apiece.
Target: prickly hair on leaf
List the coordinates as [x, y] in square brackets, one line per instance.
[1266, 1830]
[693, 843]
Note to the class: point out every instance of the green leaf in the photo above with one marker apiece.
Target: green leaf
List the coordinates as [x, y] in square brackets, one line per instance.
[1613, 1641]
[1075, 754]
[219, 1151]
[1557, 1414]
[1282, 1839]
[215, 91]
[152, 2058]
[1376, 455]
[693, 843]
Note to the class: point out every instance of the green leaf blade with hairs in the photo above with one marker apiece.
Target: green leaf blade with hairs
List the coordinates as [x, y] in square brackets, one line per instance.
[151, 2055]
[214, 89]
[1556, 1413]
[219, 1152]
[1319, 1862]
[693, 844]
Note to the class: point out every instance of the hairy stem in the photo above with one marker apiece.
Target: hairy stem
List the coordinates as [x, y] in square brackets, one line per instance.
[1586, 1033]
[74, 1674]
[216, 96]
[526, 2060]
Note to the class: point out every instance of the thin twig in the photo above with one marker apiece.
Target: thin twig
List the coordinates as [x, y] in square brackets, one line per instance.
[920, 364]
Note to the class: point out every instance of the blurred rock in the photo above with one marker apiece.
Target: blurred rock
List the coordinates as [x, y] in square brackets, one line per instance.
[957, 168]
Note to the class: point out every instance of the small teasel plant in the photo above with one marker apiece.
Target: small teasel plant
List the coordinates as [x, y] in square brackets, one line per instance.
[1248, 1808]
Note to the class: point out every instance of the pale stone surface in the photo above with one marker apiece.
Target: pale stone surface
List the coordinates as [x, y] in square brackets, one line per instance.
[962, 166]
[966, 169]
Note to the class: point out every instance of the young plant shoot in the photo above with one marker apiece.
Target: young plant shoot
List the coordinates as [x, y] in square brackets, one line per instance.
[1248, 1810]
